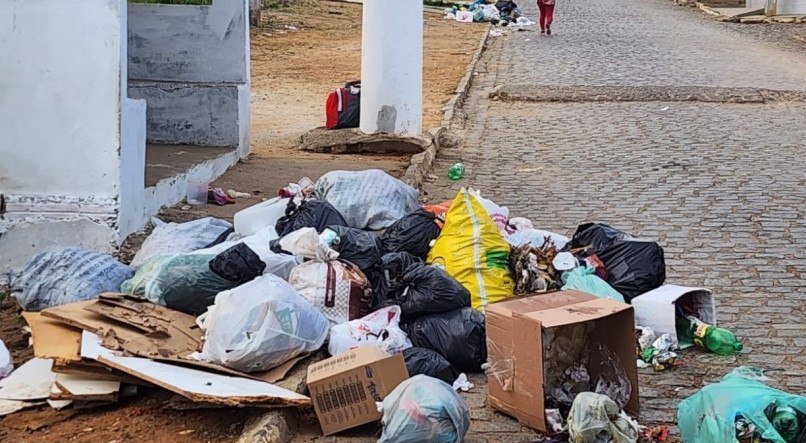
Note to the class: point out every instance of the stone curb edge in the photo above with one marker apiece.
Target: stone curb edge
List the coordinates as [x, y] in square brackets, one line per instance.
[421, 163]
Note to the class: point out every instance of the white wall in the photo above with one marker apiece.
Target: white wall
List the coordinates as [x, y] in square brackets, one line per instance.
[791, 7]
[62, 84]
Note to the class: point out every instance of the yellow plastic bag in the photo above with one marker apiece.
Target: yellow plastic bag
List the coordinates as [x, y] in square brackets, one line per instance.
[472, 251]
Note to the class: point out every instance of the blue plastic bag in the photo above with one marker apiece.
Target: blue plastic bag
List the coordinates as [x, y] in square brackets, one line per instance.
[424, 409]
[709, 415]
[583, 278]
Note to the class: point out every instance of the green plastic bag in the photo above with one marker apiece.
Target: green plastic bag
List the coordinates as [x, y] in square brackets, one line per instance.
[583, 278]
[708, 415]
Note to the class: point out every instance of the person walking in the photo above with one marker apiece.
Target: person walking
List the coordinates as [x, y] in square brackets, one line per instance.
[546, 8]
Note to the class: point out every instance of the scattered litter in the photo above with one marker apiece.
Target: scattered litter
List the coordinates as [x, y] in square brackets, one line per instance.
[427, 362]
[422, 409]
[181, 238]
[68, 275]
[31, 381]
[380, 329]
[219, 197]
[237, 194]
[497, 33]
[665, 108]
[462, 383]
[595, 417]
[659, 309]
[6, 363]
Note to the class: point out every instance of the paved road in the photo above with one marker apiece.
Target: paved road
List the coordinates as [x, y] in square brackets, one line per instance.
[721, 185]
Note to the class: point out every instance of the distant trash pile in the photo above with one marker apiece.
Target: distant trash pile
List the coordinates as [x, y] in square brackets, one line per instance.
[500, 13]
[406, 299]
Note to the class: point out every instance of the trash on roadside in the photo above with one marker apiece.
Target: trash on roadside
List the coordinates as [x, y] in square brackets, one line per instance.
[303, 188]
[370, 199]
[457, 335]
[499, 214]
[659, 354]
[440, 211]
[634, 266]
[533, 268]
[462, 383]
[535, 238]
[6, 362]
[308, 214]
[427, 362]
[659, 309]
[595, 417]
[237, 194]
[250, 220]
[718, 340]
[361, 248]
[65, 276]
[412, 233]
[471, 250]
[597, 235]
[345, 388]
[558, 331]
[583, 279]
[456, 171]
[182, 282]
[181, 238]
[337, 288]
[424, 289]
[261, 325]
[219, 197]
[389, 284]
[305, 243]
[380, 329]
[741, 404]
[422, 409]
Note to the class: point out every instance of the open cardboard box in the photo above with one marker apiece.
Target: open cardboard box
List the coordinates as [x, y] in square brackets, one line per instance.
[656, 309]
[515, 348]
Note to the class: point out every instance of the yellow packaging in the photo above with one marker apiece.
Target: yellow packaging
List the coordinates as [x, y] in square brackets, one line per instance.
[472, 251]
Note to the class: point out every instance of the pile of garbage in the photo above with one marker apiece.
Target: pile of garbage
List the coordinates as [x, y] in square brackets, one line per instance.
[406, 299]
[501, 13]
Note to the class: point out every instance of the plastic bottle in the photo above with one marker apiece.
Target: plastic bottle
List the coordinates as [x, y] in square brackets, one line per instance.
[785, 421]
[456, 171]
[720, 341]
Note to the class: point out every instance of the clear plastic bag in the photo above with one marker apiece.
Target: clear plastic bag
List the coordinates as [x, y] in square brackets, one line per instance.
[583, 278]
[708, 416]
[261, 325]
[68, 275]
[597, 418]
[180, 238]
[423, 409]
[380, 328]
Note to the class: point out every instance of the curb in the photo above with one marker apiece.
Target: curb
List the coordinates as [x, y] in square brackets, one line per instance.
[421, 163]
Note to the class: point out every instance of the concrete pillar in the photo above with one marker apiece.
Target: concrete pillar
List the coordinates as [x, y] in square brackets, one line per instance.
[392, 67]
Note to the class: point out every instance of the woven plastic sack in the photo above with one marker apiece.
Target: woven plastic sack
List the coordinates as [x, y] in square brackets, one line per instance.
[584, 278]
[380, 329]
[67, 276]
[471, 250]
[337, 288]
[424, 409]
[708, 416]
[370, 199]
[260, 325]
[180, 238]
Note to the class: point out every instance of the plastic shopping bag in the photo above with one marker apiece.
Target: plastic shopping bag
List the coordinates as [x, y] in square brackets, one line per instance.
[380, 328]
[471, 250]
[260, 325]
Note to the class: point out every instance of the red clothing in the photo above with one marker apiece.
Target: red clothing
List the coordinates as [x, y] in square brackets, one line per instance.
[546, 13]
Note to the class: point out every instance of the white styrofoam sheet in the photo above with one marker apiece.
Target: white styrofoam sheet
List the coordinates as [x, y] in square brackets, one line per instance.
[31, 381]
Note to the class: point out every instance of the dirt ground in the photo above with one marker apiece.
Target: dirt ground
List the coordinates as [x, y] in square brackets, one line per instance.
[300, 54]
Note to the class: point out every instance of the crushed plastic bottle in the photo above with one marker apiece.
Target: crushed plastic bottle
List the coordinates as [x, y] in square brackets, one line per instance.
[720, 341]
[456, 171]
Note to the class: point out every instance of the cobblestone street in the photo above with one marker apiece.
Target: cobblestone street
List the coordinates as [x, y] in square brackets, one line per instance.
[719, 182]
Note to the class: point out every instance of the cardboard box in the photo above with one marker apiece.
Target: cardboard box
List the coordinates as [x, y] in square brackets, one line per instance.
[656, 309]
[344, 388]
[515, 348]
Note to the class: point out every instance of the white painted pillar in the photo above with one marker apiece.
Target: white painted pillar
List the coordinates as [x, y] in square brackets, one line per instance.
[392, 67]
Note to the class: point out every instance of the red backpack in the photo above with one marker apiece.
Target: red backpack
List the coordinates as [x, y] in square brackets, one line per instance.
[343, 106]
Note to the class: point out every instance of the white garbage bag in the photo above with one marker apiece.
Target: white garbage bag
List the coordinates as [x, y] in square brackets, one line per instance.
[260, 243]
[6, 363]
[337, 288]
[66, 276]
[370, 199]
[423, 409]
[179, 238]
[380, 329]
[250, 220]
[260, 325]
[307, 243]
[536, 238]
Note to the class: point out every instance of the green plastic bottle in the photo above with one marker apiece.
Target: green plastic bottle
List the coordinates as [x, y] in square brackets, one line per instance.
[720, 341]
[456, 171]
[785, 421]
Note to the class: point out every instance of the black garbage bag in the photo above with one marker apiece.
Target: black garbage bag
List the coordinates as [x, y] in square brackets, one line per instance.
[634, 266]
[599, 235]
[426, 289]
[361, 248]
[393, 267]
[238, 264]
[187, 283]
[412, 233]
[309, 214]
[457, 335]
[427, 362]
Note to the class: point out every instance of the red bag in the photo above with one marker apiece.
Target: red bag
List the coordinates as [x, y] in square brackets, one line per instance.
[343, 107]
